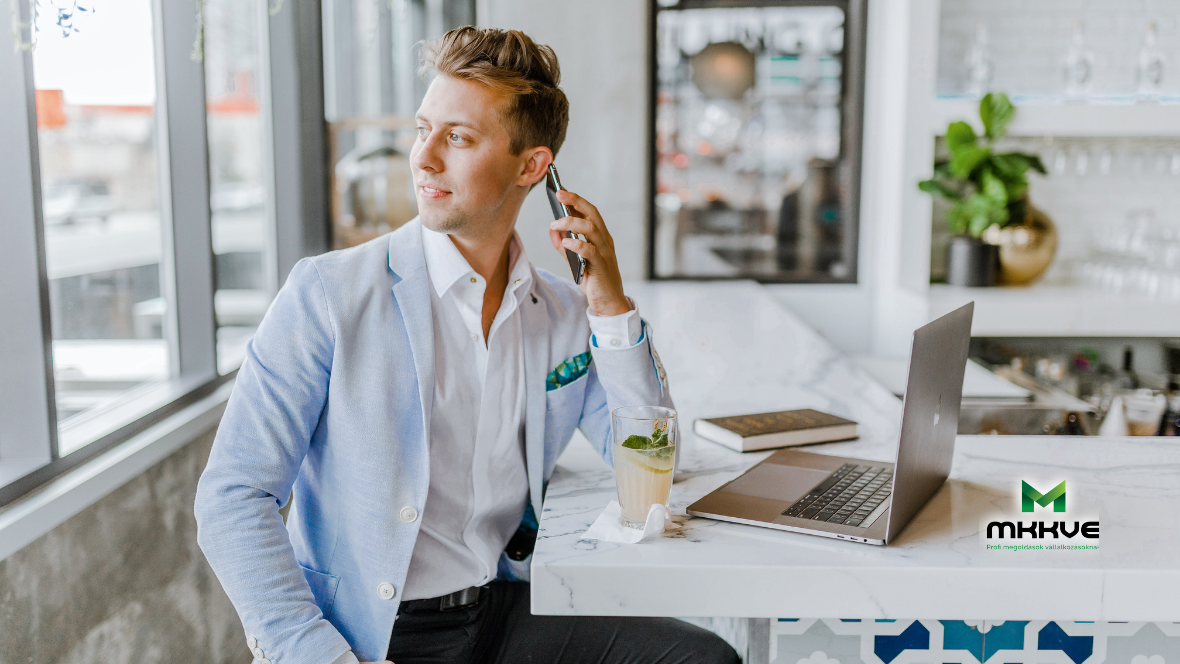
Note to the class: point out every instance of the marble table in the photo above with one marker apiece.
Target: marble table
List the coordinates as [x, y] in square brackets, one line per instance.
[730, 347]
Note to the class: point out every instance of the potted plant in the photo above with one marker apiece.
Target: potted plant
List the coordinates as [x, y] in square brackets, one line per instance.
[988, 191]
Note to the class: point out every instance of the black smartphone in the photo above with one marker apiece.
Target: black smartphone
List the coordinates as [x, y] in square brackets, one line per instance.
[552, 186]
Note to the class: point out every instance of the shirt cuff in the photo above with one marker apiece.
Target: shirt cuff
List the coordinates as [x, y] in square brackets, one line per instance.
[616, 332]
[347, 658]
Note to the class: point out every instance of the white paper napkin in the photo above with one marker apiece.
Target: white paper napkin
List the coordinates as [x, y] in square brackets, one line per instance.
[608, 527]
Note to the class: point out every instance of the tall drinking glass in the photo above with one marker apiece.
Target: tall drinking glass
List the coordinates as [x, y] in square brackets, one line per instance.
[645, 439]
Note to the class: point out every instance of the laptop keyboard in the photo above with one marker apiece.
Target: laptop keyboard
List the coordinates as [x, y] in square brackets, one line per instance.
[848, 496]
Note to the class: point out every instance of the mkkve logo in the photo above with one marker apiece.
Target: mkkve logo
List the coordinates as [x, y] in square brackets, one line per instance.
[1030, 496]
[1030, 499]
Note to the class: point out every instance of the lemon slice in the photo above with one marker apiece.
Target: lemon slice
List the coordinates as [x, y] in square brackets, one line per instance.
[645, 461]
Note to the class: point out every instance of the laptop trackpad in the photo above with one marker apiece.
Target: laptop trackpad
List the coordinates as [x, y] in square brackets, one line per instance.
[777, 482]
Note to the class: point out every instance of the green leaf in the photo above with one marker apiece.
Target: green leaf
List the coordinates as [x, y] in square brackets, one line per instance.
[636, 442]
[978, 224]
[959, 135]
[975, 214]
[1016, 191]
[996, 111]
[659, 438]
[937, 188]
[957, 217]
[993, 188]
[1010, 166]
[663, 452]
[966, 160]
[1034, 162]
[978, 215]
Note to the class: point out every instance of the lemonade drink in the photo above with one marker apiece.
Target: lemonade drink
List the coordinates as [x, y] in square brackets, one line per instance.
[643, 470]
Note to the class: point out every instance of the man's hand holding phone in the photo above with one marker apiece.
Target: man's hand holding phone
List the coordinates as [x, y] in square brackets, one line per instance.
[601, 282]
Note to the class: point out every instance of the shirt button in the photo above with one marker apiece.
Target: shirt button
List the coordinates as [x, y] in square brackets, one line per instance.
[473, 280]
[409, 514]
[252, 642]
[386, 591]
[615, 342]
[258, 654]
[264, 661]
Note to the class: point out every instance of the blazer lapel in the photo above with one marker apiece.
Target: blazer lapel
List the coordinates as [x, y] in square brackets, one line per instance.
[411, 292]
[534, 318]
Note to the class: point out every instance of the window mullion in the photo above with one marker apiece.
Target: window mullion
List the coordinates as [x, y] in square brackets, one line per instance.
[295, 152]
[186, 269]
[28, 430]
[271, 278]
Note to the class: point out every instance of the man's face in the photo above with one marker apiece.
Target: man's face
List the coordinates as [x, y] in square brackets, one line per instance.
[464, 172]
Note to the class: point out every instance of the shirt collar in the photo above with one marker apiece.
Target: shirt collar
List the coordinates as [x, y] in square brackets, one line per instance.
[446, 265]
[520, 275]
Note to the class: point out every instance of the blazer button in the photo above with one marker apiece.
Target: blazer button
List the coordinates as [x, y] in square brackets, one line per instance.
[386, 591]
[409, 514]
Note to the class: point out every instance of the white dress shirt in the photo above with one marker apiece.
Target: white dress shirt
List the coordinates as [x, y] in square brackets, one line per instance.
[478, 478]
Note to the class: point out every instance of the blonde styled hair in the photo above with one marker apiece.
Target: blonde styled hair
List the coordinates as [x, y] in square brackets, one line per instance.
[508, 61]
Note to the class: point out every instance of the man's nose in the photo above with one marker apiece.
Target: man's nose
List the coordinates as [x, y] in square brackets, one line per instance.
[427, 157]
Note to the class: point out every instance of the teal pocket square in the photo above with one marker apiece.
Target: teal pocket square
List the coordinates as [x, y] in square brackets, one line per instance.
[568, 371]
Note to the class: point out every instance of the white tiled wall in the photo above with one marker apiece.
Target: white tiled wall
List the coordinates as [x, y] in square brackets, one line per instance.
[1029, 40]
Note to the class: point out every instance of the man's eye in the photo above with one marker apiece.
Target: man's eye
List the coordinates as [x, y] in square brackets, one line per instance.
[457, 138]
[422, 132]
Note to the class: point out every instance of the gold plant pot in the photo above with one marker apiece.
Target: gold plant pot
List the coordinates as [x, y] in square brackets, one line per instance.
[1026, 249]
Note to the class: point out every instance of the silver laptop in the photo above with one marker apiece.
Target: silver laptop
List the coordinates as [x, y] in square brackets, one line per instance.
[855, 499]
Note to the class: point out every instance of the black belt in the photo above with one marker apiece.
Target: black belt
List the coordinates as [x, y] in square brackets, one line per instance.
[460, 599]
[519, 548]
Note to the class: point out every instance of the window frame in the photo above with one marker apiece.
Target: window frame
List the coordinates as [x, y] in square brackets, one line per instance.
[292, 99]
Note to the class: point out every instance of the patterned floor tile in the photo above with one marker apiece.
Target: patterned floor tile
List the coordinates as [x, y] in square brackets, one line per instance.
[1008, 635]
[1077, 648]
[915, 637]
[958, 635]
[1150, 645]
[858, 641]
[817, 645]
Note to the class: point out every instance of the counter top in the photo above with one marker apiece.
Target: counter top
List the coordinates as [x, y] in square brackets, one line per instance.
[731, 348]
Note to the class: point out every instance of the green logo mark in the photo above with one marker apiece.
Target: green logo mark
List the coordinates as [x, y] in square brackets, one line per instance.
[1030, 495]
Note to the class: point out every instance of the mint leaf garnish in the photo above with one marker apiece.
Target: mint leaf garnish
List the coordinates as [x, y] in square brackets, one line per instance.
[659, 438]
[665, 452]
[635, 442]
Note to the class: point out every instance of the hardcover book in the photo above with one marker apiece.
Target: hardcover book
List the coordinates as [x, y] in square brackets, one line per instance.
[785, 428]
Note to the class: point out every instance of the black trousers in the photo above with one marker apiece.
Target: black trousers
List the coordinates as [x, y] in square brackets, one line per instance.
[501, 630]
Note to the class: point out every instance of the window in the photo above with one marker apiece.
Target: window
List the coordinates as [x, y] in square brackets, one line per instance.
[756, 155]
[244, 260]
[100, 209]
[142, 237]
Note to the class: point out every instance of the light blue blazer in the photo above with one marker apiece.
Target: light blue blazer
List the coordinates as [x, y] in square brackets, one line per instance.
[333, 402]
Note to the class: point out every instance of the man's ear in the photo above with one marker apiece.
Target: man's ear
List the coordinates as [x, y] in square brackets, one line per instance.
[536, 162]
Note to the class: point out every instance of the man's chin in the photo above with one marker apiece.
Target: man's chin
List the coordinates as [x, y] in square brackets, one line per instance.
[441, 221]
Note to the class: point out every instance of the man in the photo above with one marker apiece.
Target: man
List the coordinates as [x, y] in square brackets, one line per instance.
[413, 395]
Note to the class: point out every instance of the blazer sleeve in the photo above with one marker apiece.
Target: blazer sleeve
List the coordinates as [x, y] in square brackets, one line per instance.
[263, 437]
[628, 376]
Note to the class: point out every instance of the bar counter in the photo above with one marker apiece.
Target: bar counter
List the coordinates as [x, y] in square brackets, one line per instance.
[732, 348]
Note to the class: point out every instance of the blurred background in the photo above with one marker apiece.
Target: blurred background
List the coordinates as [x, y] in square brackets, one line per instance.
[168, 161]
